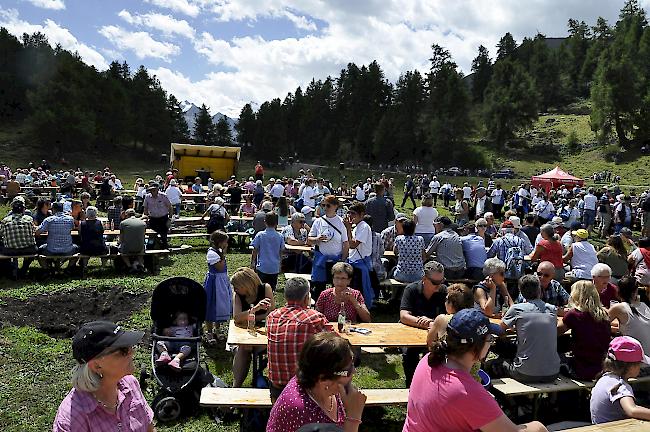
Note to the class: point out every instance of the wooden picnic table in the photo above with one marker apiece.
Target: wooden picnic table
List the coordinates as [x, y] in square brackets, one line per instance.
[113, 232]
[194, 220]
[382, 335]
[194, 195]
[47, 188]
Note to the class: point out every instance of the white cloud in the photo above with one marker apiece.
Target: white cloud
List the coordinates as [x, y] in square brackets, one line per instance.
[166, 24]
[141, 43]
[301, 22]
[48, 4]
[55, 35]
[190, 8]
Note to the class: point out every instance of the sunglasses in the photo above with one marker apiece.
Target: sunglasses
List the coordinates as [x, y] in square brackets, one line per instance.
[348, 372]
[542, 274]
[436, 282]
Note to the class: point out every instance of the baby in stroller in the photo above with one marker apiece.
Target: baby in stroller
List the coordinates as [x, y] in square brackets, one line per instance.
[181, 328]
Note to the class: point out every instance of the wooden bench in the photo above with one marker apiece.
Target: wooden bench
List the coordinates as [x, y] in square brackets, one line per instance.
[14, 262]
[188, 235]
[214, 397]
[510, 387]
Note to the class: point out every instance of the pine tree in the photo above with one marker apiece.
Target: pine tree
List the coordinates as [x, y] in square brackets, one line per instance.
[245, 126]
[511, 101]
[482, 70]
[180, 129]
[447, 117]
[223, 134]
[204, 130]
[507, 47]
[576, 46]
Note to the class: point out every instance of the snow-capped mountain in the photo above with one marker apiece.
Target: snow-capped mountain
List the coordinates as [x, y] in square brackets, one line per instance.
[190, 110]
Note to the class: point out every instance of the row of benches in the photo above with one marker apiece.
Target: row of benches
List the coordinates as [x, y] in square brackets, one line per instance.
[153, 254]
[256, 398]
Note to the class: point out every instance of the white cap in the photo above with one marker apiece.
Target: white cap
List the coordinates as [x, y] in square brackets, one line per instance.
[516, 222]
[306, 209]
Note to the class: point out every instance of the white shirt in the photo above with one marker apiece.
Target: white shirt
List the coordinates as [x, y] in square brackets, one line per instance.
[467, 192]
[426, 216]
[363, 233]
[308, 195]
[277, 190]
[334, 246]
[480, 206]
[434, 186]
[360, 194]
[496, 196]
[590, 202]
[174, 194]
[523, 193]
[544, 209]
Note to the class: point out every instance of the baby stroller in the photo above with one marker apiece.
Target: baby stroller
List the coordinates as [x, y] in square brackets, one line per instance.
[180, 388]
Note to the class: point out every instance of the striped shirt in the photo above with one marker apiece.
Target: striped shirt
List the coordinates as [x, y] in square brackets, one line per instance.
[448, 249]
[80, 411]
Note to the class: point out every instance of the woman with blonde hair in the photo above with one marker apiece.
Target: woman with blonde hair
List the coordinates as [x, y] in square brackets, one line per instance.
[590, 331]
[250, 295]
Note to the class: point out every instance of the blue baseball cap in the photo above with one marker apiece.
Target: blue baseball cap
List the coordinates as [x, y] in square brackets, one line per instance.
[470, 325]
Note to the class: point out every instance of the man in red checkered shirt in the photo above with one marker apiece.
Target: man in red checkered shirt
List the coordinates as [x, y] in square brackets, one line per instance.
[287, 329]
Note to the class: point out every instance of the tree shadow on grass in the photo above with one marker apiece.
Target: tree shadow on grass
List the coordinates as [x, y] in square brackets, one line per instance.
[386, 370]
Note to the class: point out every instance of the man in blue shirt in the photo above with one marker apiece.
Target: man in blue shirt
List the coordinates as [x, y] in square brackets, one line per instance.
[267, 251]
[59, 228]
[474, 250]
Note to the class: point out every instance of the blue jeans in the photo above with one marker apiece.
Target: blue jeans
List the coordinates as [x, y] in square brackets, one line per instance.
[588, 218]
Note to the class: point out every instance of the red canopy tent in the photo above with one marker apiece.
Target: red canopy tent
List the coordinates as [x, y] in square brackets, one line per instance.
[555, 178]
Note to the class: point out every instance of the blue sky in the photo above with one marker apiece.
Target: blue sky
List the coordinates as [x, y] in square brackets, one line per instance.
[225, 53]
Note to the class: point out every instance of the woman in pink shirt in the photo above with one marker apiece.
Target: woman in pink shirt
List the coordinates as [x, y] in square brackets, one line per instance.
[444, 396]
[106, 396]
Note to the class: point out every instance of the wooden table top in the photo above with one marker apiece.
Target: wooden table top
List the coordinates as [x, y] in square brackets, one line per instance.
[627, 425]
[383, 335]
[297, 248]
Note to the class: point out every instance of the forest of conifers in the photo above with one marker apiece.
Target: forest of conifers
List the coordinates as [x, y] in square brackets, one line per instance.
[67, 105]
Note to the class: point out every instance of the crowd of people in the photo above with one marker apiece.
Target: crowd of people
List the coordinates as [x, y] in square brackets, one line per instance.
[521, 257]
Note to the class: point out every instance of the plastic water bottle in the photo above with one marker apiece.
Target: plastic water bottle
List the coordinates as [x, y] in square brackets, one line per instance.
[251, 321]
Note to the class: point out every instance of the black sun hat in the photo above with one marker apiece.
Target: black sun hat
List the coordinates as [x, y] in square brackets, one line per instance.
[96, 336]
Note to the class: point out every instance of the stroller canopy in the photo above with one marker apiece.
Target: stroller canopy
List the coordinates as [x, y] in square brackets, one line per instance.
[177, 294]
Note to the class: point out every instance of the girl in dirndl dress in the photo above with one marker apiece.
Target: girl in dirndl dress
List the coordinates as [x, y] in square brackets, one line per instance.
[217, 284]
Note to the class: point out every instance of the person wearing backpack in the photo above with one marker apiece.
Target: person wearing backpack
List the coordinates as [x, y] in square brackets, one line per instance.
[510, 249]
[622, 214]
[218, 215]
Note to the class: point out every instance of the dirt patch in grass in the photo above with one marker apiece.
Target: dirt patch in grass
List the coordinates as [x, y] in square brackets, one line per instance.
[60, 314]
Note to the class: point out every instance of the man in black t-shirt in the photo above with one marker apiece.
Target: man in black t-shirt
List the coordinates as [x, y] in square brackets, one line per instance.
[235, 192]
[422, 302]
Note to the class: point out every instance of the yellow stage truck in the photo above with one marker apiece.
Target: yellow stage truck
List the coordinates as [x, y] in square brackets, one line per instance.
[204, 161]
